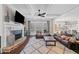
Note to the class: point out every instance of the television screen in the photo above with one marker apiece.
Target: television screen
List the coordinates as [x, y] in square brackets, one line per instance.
[19, 17]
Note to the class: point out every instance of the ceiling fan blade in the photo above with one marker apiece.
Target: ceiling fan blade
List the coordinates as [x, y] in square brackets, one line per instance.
[39, 14]
[43, 13]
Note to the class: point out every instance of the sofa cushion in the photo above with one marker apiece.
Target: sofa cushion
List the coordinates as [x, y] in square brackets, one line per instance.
[72, 39]
[65, 37]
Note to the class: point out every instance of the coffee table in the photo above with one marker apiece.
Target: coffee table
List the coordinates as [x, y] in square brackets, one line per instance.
[50, 41]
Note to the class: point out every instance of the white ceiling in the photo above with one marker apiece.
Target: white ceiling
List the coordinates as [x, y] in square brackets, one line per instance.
[52, 10]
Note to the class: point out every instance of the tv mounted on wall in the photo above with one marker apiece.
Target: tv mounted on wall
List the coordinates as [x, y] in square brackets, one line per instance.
[19, 17]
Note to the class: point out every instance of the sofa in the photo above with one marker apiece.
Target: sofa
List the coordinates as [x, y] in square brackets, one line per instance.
[39, 35]
[62, 39]
[47, 34]
[70, 41]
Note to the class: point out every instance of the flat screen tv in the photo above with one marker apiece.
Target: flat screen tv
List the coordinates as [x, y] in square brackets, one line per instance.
[19, 17]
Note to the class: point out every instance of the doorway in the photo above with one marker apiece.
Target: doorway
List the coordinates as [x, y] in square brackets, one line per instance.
[38, 26]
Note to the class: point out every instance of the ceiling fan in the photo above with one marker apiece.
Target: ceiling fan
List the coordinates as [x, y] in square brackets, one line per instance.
[41, 14]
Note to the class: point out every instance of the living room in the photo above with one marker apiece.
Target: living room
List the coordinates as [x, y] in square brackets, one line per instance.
[43, 29]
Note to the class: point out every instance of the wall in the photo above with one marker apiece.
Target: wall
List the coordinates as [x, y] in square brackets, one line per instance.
[9, 13]
[70, 17]
[51, 26]
[4, 15]
[1, 19]
[1, 26]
